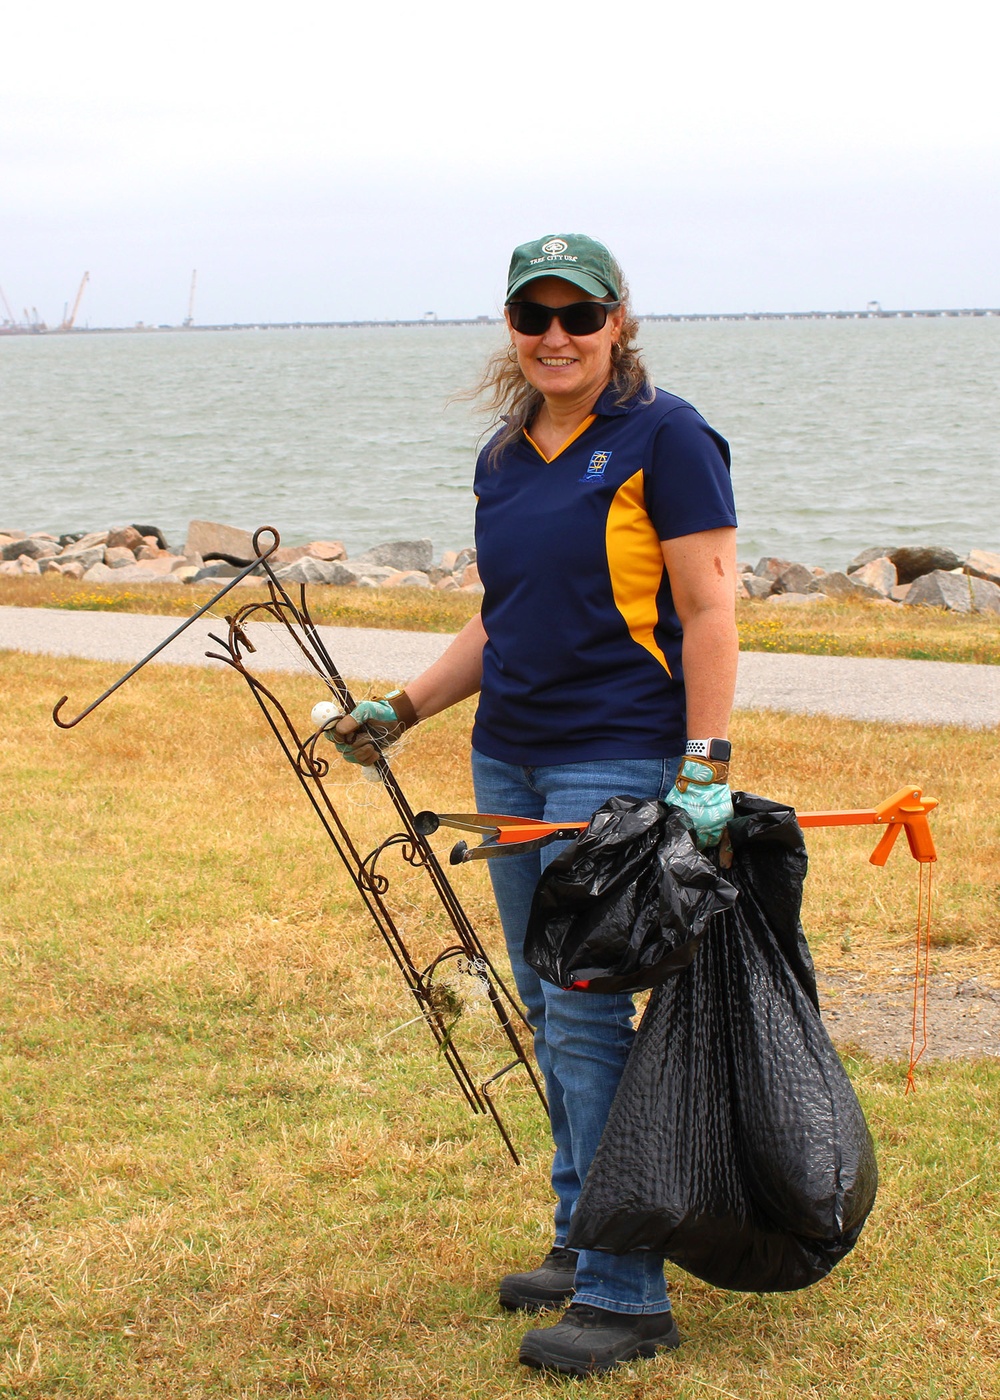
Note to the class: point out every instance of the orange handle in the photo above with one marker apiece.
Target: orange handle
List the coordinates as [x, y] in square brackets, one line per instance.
[906, 809]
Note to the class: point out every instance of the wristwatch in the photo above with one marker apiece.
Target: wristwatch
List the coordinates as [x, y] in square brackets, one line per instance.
[719, 750]
[706, 761]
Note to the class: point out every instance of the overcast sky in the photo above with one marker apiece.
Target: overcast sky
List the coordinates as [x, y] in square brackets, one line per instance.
[331, 161]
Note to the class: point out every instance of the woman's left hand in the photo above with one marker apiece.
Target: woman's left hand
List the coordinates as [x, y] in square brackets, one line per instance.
[709, 805]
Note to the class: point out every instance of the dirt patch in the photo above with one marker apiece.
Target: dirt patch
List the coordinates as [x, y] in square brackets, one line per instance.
[875, 1013]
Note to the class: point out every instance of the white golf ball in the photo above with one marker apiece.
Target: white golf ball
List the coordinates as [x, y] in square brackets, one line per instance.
[325, 711]
[323, 714]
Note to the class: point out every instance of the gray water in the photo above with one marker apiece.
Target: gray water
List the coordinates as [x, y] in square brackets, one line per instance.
[844, 433]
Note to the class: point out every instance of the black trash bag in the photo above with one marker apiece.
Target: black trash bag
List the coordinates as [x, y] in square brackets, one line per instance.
[736, 1145]
[626, 904]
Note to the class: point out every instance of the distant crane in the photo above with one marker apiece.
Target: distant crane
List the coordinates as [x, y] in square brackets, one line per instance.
[67, 324]
[10, 315]
[189, 318]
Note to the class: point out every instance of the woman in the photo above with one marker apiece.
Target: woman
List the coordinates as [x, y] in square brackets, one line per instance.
[605, 653]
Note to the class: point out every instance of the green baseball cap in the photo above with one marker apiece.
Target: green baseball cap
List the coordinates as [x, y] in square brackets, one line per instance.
[572, 256]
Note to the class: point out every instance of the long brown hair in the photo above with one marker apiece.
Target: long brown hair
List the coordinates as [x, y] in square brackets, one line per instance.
[513, 402]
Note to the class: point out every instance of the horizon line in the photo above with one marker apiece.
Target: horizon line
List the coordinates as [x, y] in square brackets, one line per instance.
[872, 312]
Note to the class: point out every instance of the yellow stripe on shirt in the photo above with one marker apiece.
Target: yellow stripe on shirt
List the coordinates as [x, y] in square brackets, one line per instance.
[635, 562]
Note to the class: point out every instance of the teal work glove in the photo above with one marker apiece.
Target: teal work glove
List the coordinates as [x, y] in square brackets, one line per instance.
[376, 725]
[709, 804]
[371, 727]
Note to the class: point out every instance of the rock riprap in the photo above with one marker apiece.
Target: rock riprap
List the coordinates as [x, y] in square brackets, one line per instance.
[927, 576]
[140, 554]
[916, 576]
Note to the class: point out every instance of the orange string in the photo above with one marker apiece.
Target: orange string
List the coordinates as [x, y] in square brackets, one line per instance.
[921, 974]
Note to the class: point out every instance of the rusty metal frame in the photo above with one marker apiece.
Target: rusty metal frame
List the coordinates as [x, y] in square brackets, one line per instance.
[371, 883]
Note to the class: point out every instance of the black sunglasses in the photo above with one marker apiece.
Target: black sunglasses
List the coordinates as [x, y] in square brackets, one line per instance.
[579, 318]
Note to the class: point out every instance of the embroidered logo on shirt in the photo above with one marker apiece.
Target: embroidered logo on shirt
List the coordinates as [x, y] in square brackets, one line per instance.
[596, 465]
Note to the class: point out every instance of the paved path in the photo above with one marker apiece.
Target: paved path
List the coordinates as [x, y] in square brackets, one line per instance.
[894, 692]
[362, 653]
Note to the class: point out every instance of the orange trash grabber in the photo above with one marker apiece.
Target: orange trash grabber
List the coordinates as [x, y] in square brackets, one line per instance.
[905, 810]
[502, 836]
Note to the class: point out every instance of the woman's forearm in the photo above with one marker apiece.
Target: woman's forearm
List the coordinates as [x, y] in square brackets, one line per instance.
[455, 676]
[710, 655]
[702, 570]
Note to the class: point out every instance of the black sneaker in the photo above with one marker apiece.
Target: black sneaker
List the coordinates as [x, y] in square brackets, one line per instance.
[589, 1340]
[548, 1286]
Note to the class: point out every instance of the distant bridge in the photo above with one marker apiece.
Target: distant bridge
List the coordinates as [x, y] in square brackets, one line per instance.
[875, 314]
[869, 314]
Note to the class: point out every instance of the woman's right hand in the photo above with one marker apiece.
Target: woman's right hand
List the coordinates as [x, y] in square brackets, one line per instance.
[362, 735]
[375, 724]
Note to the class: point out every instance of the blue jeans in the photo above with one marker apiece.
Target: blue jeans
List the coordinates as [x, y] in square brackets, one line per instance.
[582, 1039]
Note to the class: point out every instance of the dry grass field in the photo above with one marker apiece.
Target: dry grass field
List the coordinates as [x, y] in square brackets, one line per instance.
[230, 1168]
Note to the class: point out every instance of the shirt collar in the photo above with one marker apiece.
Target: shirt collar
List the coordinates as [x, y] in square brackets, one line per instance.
[606, 407]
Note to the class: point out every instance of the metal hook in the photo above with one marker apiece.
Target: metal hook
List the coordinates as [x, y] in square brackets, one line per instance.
[260, 558]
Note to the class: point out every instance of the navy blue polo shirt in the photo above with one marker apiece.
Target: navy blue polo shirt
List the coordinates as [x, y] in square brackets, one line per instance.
[583, 658]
